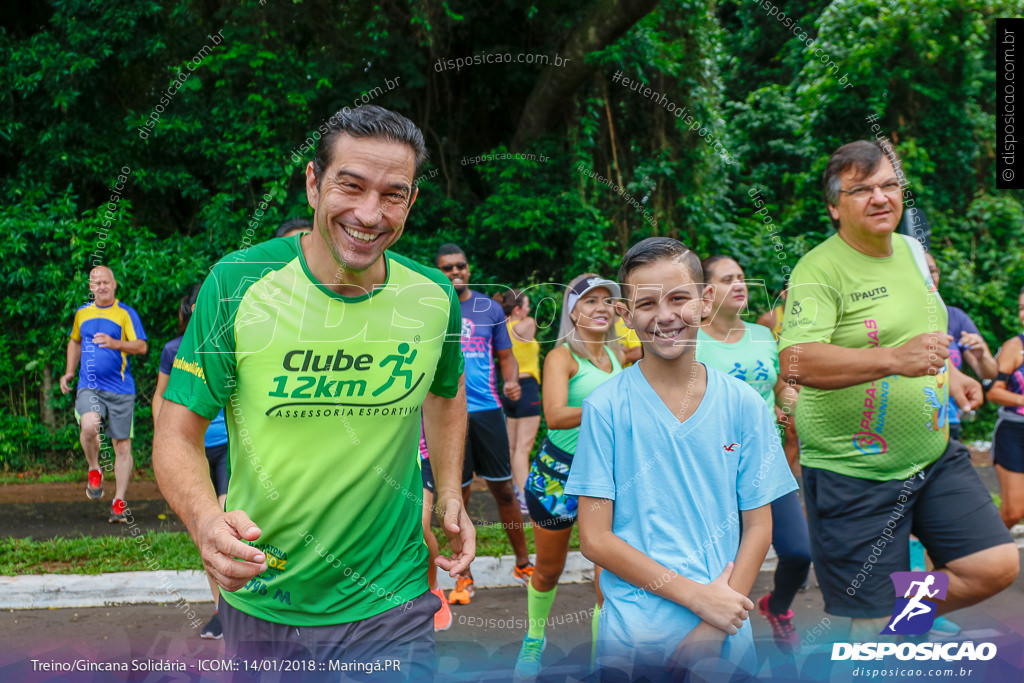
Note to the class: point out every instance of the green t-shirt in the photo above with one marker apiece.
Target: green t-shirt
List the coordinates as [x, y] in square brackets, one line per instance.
[753, 359]
[322, 396]
[886, 429]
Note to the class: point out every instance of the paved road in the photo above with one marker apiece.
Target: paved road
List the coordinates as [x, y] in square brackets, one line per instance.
[482, 644]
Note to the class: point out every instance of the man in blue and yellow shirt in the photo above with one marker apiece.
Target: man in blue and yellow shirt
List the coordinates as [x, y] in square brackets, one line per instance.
[104, 334]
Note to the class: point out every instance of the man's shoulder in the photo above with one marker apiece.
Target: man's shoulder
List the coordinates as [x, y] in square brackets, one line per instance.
[484, 305]
[250, 264]
[415, 272]
[118, 304]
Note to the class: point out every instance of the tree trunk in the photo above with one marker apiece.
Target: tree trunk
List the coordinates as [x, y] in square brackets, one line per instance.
[49, 419]
[557, 83]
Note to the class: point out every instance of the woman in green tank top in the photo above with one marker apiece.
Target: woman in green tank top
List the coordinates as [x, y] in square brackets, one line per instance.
[587, 355]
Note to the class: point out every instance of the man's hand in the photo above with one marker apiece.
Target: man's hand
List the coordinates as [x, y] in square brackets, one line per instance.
[513, 391]
[702, 642]
[458, 527]
[105, 341]
[966, 391]
[721, 606]
[925, 354]
[973, 345]
[65, 382]
[219, 545]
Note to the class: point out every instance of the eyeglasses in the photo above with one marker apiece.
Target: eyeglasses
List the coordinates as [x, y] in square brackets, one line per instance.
[863, 191]
[449, 267]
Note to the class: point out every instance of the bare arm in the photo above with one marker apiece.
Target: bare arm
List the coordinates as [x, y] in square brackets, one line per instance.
[158, 395]
[634, 354]
[828, 366]
[509, 373]
[754, 542]
[525, 329]
[183, 474]
[444, 426]
[716, 603]
[135, 347]
[977, 355]
[559, 367]
[74, 356]
[785, 397]
[1008, 361]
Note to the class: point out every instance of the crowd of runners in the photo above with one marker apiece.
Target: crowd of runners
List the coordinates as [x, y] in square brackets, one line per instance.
[313, 364]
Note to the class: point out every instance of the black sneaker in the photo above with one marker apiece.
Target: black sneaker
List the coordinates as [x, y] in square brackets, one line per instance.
[212, 630]
[94, 487]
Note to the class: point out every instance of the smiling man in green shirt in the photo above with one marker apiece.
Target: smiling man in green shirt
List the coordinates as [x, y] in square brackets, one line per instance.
[323, 348]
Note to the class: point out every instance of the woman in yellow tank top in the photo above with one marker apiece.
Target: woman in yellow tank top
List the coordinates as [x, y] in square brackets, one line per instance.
[523, 415]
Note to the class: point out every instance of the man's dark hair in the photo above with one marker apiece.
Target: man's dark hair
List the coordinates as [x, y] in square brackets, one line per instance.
[655, 249]
[863, 156]
[368, 121]
[293, 224]
[185, 307]
[447, 249]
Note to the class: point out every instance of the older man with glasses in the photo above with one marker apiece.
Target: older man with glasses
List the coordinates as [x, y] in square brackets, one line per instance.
[865, 334]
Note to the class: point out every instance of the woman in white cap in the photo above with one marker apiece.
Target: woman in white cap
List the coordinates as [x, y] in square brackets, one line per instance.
[585, 356]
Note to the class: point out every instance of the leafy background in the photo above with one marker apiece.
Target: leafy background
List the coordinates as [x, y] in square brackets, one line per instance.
[81, 77]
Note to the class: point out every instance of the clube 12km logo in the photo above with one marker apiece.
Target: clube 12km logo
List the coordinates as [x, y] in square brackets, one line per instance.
[917, 598]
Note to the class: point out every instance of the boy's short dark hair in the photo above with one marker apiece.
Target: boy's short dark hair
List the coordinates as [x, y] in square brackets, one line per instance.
[655, 249]
[447, 249]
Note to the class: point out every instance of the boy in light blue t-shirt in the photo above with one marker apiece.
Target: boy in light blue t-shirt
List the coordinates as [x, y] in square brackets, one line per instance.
[671, 456]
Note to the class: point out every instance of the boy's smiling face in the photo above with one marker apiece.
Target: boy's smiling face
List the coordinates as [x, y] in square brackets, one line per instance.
[665, 307]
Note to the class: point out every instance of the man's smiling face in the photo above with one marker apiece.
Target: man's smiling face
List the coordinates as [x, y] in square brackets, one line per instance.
[362, 200]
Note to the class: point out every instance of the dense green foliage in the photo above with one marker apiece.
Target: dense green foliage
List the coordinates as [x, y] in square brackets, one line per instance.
[82, 79]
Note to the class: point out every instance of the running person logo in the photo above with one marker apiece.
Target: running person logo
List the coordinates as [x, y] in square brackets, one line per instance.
[917, 596]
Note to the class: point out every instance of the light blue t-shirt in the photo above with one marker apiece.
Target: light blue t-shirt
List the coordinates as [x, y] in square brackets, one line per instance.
[678, 490]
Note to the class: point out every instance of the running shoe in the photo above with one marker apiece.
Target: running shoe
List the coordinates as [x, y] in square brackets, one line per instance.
[212, 630]
[528, 661]
[94, 487]
[117, 512]
[944, 628]
[464, 590]
[783, 631]
[443, 616]
[523, 573]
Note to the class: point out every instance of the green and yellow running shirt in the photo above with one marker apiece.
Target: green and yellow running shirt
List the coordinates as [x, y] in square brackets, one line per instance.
[886, 429]
[322, 396]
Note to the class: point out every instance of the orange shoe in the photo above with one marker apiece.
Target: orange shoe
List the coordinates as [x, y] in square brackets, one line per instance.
[523, 574]
[464, 590]
[443, 616]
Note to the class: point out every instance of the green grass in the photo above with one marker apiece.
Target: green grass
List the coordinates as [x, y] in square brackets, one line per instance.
[171, 550]
[74, 476]
[492, 541]
[95, 555]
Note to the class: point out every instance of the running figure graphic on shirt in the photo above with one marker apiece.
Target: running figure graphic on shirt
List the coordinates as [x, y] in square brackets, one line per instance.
[397, 371]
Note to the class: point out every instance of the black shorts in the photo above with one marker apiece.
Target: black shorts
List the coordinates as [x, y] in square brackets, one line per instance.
[1008, 445]
[428, 474]
[217, 456]
[486, 447]
[860, 529]
[528, 404]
